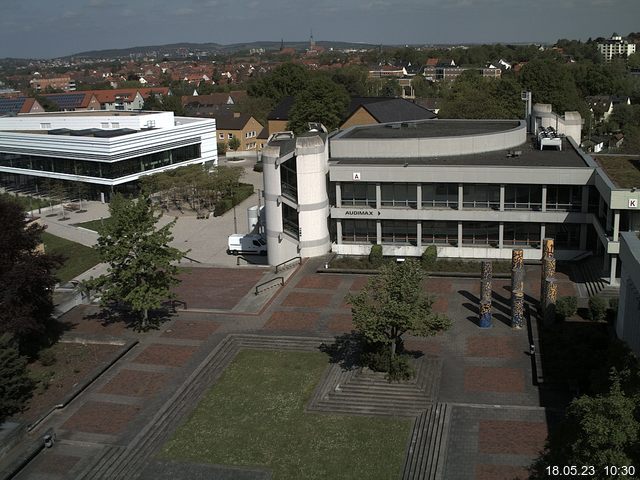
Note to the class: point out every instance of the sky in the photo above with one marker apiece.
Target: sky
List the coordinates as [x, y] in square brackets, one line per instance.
[46, 28]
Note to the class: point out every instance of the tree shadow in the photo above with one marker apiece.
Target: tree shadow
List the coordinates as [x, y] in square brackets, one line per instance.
[113, 313]
[345, 350]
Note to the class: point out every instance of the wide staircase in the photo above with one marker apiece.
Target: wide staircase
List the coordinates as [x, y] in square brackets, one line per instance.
[589, 274]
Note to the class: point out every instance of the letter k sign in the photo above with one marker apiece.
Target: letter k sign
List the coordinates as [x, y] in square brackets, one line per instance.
[633, 203]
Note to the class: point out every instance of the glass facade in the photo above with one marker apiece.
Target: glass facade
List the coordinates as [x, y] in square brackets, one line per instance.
[399, 195]
[481, 196]
[399, 232]
[521, 235]
[359, 194]
[289, 179]
[440, 195]
[480, 233]
[290, 222]
[565, 235]
[359, 231]
[523, 197]
[439, 233]
[566, 198]
[101, 169]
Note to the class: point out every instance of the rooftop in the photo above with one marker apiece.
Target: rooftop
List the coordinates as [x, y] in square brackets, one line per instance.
[430, 129]
[624, 172]
[92, 113]
[525, 155]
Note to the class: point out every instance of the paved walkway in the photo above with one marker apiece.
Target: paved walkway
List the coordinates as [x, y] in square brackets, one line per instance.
[498, 420]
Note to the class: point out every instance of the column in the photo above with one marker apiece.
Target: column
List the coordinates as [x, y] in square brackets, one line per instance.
[419, 234]
[583, 236]
[378, 196]
[501, 199]
[459, 234]
[551, 289]
[419, 196]
[517, 288]
[614, 264]
[338, 195]
[501, 235]
[585, 199]
[616, 226]
[544, 198]
[378, 232]
[460, 195]
[543, 233]
[339, 231]
[609, 219]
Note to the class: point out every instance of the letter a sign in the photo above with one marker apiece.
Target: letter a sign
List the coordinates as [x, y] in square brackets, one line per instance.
[356, 176]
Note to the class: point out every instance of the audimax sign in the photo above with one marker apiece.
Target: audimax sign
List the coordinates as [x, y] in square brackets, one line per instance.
[361, 213]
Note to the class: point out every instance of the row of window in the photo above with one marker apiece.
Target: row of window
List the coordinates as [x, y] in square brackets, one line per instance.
[478, 196]
[101, 169]
[404, 232]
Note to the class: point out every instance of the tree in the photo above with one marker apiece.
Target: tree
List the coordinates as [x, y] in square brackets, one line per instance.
[551, 82]
[15, 384]
[142, 266]
[283, 81]
[392, 304]
[234, 143]
[322, 101]
[26, 277]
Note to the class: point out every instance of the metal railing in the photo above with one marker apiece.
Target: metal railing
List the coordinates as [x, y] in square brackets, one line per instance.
[280, 266]
[279, 279]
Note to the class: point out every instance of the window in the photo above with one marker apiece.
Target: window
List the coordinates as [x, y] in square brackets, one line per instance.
[115, 124]
[359, 231]
[480, 233]
[439, 233]
[290, 221]
[440, 195]
[230, 136]
[521, 234]
[399, 195]
[359, 194]
[565, 235]
[45, 125]
[289, 179]
[566, 198]
[522, 197]
[221, 136]
[481, 196]
[104, 124]
[399, 232]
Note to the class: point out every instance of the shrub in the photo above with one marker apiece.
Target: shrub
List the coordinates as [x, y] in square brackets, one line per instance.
[598, 308]
[400, 369]
[566, 307]
[16, 386]
[47, 358]
[612, 313]
[377, 360]
[375, 256]
[429, 257]
[222, 148]
[258, 167]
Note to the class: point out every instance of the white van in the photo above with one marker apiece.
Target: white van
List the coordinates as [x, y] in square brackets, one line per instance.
[246, 243]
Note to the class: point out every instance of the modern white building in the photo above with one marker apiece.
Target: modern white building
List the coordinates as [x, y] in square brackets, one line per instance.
[616, 47]
[628, 320]
[105, 149]
[473, 188]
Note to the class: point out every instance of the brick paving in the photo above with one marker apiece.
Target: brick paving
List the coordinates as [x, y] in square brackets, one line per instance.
[494, 379]
[170, 355]
[57, 464]
[479, 367]
[511, 436]
[101, 417]
[135, 383]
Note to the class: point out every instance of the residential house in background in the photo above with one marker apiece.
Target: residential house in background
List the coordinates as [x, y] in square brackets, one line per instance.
[73, 101]
[241, 126]
[616, 46]
[374, 110]
[65, 83]
[14, 106]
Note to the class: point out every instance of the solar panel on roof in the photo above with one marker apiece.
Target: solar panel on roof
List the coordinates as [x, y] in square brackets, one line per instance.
[11, 105]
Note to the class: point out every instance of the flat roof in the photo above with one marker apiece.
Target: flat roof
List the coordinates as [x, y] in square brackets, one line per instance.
[529, 156]
[624, 171]
[429, 129]
[91, 113]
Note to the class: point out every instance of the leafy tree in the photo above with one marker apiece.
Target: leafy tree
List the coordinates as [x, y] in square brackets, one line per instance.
[222, 147]
[15, 384]
[353, 78]
[322, 101]
[142, 266]
[284, 81]
[258, 107]
[392, 304]
[551, 82]
[598, 431]
[234, 143]
[26, 277]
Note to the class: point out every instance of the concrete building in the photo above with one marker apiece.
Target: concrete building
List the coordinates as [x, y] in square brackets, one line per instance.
[108, 150]
[474, 188]
[628, 319]
[616, 47]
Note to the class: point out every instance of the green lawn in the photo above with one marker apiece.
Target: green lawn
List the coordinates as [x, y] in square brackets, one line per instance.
[93, 224]
[254, 416]
[78, 257]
